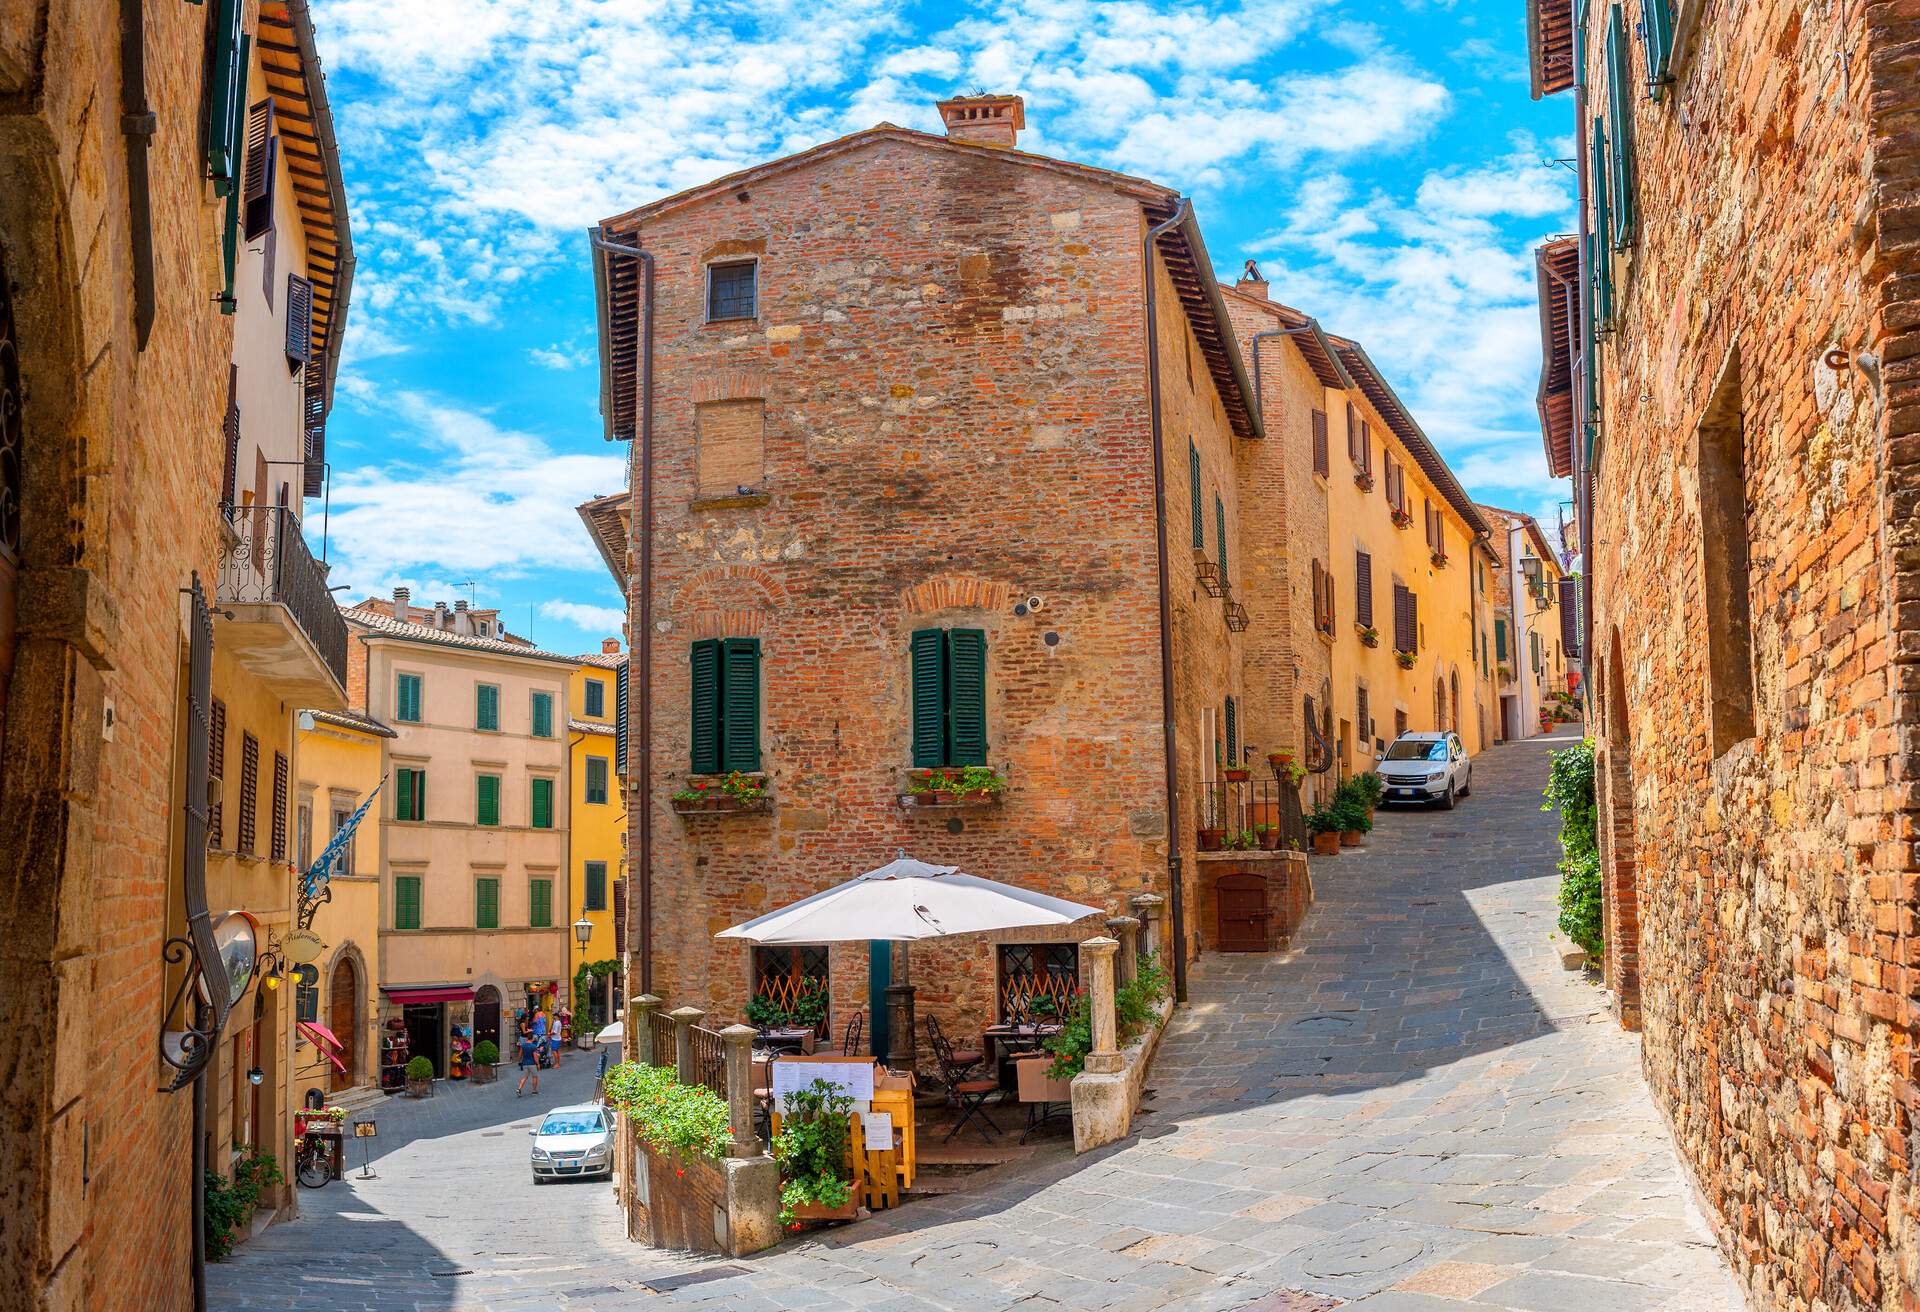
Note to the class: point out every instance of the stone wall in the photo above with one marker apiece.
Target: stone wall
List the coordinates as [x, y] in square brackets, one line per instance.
[1763, 890]
[120, 471]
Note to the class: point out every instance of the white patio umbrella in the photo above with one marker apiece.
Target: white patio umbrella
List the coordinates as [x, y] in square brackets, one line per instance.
[612, 1033]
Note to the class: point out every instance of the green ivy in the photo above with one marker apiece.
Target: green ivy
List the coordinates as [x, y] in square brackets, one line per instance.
[230, 1204]
[812, 1148]
[589, 974]
[669, 1116]
[1570, 790]
[1135, 1006]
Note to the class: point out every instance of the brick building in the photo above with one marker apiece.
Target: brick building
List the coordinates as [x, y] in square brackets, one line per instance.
[1536, 626]
[916, 420]
[1733, 379]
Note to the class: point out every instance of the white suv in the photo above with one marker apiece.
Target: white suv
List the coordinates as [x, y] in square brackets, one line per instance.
[1426, 767]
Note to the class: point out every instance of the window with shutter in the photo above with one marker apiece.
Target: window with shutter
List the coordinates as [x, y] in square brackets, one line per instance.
[263, 155]
[407, 699]
[486, 710]
[966, 697]
[1362, 717]
[1620, 125]
[1656, 33]
[313, 400]
[1533, 651]
[410, 794]
[594, 895]
[231, 432]
[406, 901]
[228, 182]
[928, 653]
[705, 708]
[620, 719]
[249, 793]
[542, 803]
[216, 772]
[1599, 256]
[543, 715]
[540, 904]
[279, 846]
[729, 447]
[299, 321]
[226, 91]
[1320, 442]
[1401, 622]
[1570, 617]
[1353, 433]
[619, 917]
[596, 698]
[1363, 589]
[1366, 447]
[1233, 734]
[740, 704]
[1194, 498]
[1220, 536]
[1413, 621]
[1499, 638]
[487, 799]
[597, 780]
[486, 903]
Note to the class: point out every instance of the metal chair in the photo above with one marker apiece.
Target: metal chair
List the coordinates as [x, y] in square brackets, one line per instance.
[850, 1036]
[966, 1091]
[965, 1058]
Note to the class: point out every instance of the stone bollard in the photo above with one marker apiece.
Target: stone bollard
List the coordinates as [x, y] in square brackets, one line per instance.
[1147, 907]
[684, 1019]
[739, 1049]
[1125, 929]
[638, 1044]
[1096, 968]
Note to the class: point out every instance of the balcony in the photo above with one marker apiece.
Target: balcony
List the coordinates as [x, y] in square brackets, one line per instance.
[276, 616]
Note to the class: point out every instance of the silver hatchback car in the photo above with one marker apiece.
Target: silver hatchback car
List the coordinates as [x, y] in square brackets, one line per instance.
[1426, 767]
[570, 1142]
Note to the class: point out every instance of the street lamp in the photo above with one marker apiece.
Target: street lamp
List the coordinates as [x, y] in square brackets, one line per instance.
[582, 931]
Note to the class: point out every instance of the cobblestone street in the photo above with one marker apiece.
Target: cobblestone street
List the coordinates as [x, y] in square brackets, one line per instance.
[1416, 1110]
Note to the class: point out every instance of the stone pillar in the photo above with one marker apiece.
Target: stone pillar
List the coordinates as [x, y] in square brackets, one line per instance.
[739, 1041]
[1096, 971]
[1147, 906]
[684, 1019]
[638, 1044]
[1126, 929]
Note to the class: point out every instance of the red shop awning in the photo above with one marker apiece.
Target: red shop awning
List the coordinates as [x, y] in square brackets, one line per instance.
[320, 1034]
[448, 994]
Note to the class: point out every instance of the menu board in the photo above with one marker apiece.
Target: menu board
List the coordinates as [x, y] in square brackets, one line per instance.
[853, 1078]
[878, 1127]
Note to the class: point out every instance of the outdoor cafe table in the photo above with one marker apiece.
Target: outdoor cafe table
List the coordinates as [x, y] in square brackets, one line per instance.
[892, 1094]
[787, 1039]
[1007, 1040]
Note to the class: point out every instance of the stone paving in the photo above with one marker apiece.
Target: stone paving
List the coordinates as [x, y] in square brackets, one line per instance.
[1415, 1110]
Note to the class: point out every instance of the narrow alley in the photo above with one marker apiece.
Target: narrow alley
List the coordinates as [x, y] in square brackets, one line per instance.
[1415, 1110]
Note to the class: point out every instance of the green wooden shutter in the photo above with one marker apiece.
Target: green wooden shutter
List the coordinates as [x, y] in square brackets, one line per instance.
[596, 695]
[1656, 32]
[1233, 735]
[967, 696]
[407, 699]
[406, 901]
[1220, 535]
[706, 706]
[403, 795]
[486, 710]
[595, 898]
[1599, 252]
[1580, 47]
[1499, 639]
[540, 904]
[1620, 121]
[1193, 497]
[740, 703]
[929, 654]
[487, 799]
[543, 803]
[620, 719]
[486, 903]
[543, 715]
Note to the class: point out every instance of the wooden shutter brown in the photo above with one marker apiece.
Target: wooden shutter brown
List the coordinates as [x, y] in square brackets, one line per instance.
[216, 771]
[1320, 442]
[1413, 621]
[263, 154]
[314, 405]
[1400, 596]
[1570, 617]
[619, 917]
[279, 807]
[227, 489]
[1363, 589]
[1353, 432]
[299, 320]
[249, 793]
[1366, 446]
[1362, 720]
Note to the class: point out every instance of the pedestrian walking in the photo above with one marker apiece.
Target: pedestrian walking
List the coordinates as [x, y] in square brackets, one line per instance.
[529, 1063]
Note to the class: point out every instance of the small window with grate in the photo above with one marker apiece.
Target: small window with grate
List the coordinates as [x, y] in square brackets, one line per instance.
[733, 290]
[792, 982]
[1032, 971]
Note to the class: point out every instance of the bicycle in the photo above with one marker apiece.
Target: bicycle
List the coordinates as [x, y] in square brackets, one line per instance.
[313, 1161]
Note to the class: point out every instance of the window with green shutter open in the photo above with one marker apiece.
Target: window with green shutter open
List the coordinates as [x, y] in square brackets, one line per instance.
[409, 794]
[543, 715]
[540, 904]
[725, 705]
[1656, 34]
[1620, 128]
[1220, 536]
[1499, 639]
[406, 901]
[487, 799]
[597, 780]
[406, 699]
[1233, 735]
[486, 903]
[949, 697]
[542, 804]
[1195, 497]
[594, 897]
[486, 709]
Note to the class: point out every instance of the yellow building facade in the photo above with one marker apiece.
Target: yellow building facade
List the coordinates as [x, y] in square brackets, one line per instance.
[599, 830]
[1536, 644]
[340, 766]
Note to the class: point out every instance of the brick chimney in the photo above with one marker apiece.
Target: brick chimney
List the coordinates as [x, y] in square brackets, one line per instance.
[1251, 282]
[400, 598]
[984, 120]
[609, 646]
[440, 614]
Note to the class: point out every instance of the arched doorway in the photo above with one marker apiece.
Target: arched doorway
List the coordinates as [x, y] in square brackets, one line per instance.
[486, 1015]
[1439, 702]
[1619, 845]
[343, 1018]
[1453, 700]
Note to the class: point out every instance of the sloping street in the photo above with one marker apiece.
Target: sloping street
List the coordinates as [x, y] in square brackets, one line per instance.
[1415, 1110]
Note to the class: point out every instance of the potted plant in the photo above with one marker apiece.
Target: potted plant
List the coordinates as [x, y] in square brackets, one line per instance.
[1269, 836]
[420, 1077]
[1363, 480]
[1402, 517]
[1405, 658]
[744, 790]
[816, 1182]
[763, 1013]
[1279, 760]
[1242, 840]
[486, 1054]
[1369, 636]
[1323, 822]
[1371, 791]
[696, 796]
[1237, 774]
[1440, 560]
[1295, 772]
[1210, 837]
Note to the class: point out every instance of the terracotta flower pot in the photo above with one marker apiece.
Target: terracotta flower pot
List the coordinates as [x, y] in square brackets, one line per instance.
[483, 1073]
[1270, 841]
[420, 1088]
[1238, 776]
[1350, 838]
[1211, 839]
[821, 1212]
[1279, 760]
[1327, 844]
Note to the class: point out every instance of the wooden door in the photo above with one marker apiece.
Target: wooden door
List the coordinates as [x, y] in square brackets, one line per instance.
[343, 1018]
[1242, 902]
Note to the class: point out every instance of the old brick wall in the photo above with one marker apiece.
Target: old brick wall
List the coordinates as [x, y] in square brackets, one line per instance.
[121, 472]
[1775, 881]
[950, 349]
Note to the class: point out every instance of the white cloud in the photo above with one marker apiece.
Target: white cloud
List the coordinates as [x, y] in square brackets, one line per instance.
[561, 355]
[607, 620]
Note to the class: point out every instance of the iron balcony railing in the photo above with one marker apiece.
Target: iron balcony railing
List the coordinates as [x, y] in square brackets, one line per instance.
[1253, 813]
[270, 565]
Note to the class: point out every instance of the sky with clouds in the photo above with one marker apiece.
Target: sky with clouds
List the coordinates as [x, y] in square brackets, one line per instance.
[1381, 159]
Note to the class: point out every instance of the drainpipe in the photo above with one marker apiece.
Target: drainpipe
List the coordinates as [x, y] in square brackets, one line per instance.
[641, 652]
[1176, 901]
[138, 123]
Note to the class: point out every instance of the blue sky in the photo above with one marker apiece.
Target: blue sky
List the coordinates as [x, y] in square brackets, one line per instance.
[1381, 159]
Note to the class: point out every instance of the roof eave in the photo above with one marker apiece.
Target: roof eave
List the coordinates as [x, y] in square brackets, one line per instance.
[1463, 504]
[603, 332]
[1189, 230]
[301, 19]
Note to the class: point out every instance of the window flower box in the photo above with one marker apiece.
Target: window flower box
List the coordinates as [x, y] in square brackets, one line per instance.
[1369, 636]
[737, 793]
[950, 787]
[1402, 517]
[1405, 658]
[1440, 559]
[1363, 480]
